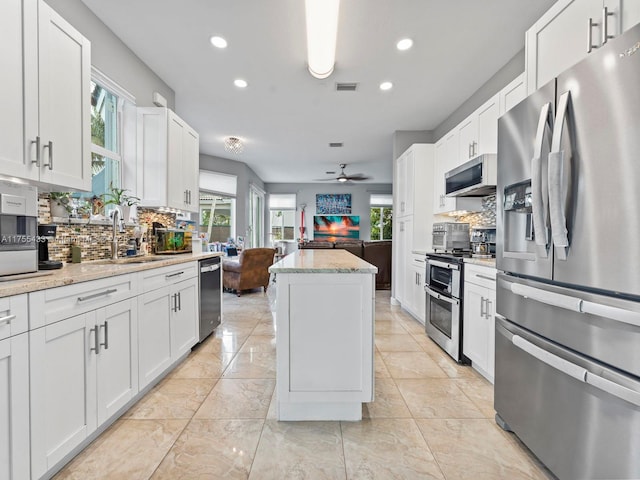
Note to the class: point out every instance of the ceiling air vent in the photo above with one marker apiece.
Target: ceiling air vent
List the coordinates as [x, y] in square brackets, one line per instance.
[346, 87]
[336, 144]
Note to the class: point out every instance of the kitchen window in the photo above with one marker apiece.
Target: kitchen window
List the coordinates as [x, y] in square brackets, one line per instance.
[218, 205]
[282, 214]
[381, 216]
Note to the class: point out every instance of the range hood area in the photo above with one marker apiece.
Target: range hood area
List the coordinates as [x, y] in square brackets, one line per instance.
[475, 178]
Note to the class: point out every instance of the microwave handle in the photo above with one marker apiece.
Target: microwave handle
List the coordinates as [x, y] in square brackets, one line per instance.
[539, 186]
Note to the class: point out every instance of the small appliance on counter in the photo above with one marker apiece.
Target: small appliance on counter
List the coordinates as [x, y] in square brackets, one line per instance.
[18, 228]
[450, 236]
[483, 242]
[172, 240]
[46, 232]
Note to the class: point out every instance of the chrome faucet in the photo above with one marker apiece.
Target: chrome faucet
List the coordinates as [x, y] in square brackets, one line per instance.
[118, 227]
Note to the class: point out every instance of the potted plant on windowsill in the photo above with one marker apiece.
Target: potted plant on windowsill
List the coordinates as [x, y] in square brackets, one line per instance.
[119, 197]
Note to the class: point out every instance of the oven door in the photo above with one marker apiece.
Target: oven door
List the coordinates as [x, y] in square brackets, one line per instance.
[443, 322]
[443, 277]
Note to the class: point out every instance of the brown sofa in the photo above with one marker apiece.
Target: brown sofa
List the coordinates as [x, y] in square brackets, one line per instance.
[377, 253]
[249, 270]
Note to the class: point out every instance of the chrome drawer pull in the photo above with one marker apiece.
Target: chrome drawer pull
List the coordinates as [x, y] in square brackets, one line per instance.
[173, 275]
[96, 295]
[7, 319]
[485, 277]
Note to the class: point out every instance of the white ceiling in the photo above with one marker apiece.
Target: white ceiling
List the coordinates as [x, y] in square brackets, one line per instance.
[286, 117]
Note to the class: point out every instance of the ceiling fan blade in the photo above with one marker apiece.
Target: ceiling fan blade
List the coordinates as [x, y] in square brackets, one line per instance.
[324, 179]
[358, 176]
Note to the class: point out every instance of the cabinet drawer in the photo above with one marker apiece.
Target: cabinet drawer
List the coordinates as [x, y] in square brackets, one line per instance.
[14, 315]
[419, 261]
[483, 276]
[160, 277]
[52, 305]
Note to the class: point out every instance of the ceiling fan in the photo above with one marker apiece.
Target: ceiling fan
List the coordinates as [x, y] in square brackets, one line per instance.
[344, 178]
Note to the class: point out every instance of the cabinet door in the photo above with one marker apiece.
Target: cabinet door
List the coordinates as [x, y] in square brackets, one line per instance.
[154, 335]
[176, 191]
[13, 160]
[474, 338]
[418, 298]
[14, 407]
[400, 264]
[64, 83]
[629, 13]
[491, 338]
[63, 389]
[559, 39]
[513, 94]
[401, 185]
[151, 149]
[409, 182]
[191, 168]
[117, 362]
[488, 127]
[446, 159]
[184, 318]
[467, 141]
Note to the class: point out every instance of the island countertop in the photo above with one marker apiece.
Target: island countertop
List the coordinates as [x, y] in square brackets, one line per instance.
[322, 261]
[93, 270]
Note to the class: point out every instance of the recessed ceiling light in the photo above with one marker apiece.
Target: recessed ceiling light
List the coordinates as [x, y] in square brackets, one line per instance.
[218, 42]
[386, 86]
[240, 83]
[404, 44]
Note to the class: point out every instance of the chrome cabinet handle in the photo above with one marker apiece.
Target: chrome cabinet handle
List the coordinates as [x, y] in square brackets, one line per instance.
[179, 301]
[171, 275]
[469, 150]
[105, 344]
[487, 312]
[7, 319]
[96, 295]
[590, 45]
[37, 142]
[96, 340]
[483, 312]
[485, 277]
[605, 25]
[49, 146]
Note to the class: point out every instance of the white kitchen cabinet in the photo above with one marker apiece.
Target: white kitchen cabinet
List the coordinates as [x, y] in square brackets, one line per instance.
[402, 254]
[57, 100]
[416, 299]
[406, 183]
[82, 371]
[168, 322]
[478, 133]
[478, 337]
[14, 407]
[168, 160]
[513, 93]
[559, 39]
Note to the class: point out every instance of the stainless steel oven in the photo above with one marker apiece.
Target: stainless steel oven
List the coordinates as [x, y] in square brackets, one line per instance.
[443, 289]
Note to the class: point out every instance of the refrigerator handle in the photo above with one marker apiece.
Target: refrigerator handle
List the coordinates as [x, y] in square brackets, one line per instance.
[613, 388]
[554, 361]
[557, 174]
[539, 186]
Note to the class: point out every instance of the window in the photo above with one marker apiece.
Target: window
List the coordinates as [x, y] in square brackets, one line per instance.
[282, 214]
[381, 216]
[218, 205]
[256, 217]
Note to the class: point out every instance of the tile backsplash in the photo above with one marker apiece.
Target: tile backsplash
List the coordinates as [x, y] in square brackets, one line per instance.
[94, 238]
[484, 218]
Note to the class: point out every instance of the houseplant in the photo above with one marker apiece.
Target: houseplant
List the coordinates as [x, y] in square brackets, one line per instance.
[118, 196]
[60, 204]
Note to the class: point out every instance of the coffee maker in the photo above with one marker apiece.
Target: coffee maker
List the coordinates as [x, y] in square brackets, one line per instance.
[46, 232]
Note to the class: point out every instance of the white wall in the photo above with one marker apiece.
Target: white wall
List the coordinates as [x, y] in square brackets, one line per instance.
[306, 193]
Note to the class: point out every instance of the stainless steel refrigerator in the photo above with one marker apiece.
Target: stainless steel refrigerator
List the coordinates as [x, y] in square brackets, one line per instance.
[567, 375]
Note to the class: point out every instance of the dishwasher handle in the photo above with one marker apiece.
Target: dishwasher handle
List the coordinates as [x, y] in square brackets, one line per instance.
[209, 268]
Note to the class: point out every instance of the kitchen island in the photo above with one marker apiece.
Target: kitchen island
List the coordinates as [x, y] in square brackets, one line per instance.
[324, 335]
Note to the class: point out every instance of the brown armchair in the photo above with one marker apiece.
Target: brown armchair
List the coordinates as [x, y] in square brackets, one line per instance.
[249, 270]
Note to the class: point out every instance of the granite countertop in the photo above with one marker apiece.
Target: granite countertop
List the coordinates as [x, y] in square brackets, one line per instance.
[485, 262]
[322, 261]
[86, 271]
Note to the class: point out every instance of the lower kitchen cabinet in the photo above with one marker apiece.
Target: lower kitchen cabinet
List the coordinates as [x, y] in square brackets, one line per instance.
[14, 407]
[168, 327]
[83, 370]
[478, 339]
[416, 302]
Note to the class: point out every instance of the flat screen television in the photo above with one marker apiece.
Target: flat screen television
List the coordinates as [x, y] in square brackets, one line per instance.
[336, 227]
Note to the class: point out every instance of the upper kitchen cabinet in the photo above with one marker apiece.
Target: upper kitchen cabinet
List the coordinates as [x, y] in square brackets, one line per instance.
[569, 31]
[168, 160]
[57, 102]
[513, 93]
[478, 134]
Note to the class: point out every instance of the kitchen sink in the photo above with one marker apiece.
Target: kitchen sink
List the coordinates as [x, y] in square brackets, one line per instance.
[127, 260]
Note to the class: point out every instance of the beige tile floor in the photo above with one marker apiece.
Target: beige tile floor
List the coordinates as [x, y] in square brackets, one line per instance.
[213, 417]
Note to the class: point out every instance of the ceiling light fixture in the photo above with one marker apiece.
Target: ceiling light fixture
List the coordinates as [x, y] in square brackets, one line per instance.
[240, 83]
[218, 42]
[233, 145]
[322, 31]
[386, 86]
[404, 44]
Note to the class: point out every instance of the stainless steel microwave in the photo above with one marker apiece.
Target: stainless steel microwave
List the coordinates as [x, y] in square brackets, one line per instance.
[475, 178]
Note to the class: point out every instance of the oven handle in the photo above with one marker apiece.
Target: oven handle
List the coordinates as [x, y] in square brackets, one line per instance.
[437, 263]
[452, 301]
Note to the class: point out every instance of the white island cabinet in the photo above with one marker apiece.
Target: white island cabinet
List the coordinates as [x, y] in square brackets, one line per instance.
[325, 325]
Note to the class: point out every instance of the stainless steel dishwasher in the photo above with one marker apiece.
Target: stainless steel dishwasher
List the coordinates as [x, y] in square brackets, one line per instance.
[210, 296]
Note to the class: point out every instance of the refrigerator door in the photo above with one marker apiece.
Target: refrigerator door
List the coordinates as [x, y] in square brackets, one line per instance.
[580, 418]
[594, 173]
[524, 142]
[602, 327]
